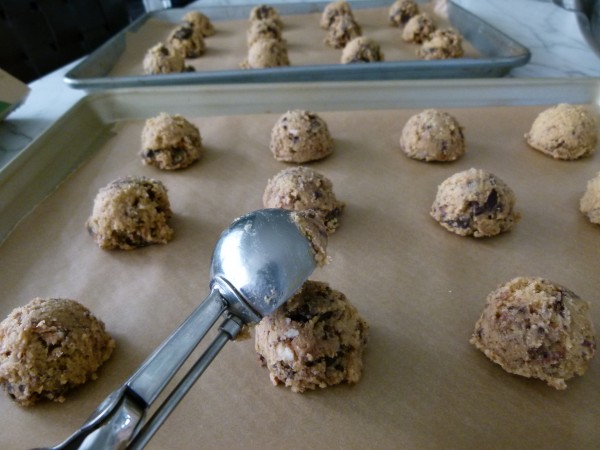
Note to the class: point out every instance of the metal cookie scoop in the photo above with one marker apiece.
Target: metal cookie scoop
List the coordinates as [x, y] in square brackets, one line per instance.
[260, 261]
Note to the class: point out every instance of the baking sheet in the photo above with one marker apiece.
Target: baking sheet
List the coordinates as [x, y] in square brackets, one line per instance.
[419, 287]
[118, 63]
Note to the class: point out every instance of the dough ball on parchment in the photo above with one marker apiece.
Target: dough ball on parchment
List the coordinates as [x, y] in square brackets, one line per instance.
[170, 142]
[361, 50]
[564, 132]
[131, 212]
[48, 347]
[187, 40]
[442, 44]
[342, 30]
[163, 59]
[199, 21]
[262, 12]
[334, 10]
[475, 203]
[537, 329]
[263, 29]
[315, 340]
[418, 29]
[432, 135]
[266, 53]
[401, 11]
[590, 202]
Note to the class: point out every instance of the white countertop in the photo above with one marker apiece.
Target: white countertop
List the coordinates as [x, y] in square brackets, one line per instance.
[552, 35]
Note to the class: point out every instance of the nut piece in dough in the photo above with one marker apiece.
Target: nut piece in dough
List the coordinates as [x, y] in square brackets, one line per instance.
[300, 188]
[442, 44]
[342, 30]
[199, 21]
[163, 59]
[564, 132]
[170, 142]
[131, 212]
[263, 29]
[433, 135]
[401, 11]
[418, 29]
[315, 340]
[262, 12]
[266, 53]
[590, 202]
[475, 202]
[361, 50]
[48, 347]
[537, 329]
[334, 10]
[187, 40]
[300, 136]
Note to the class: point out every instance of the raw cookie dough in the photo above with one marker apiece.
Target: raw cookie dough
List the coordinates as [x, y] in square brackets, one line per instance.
[48, 347]
[475, 202]
[300, 188]
[442, 44]
[263, 29]
[131, 212]
[163, 59]
[401, 11]
[266, 53]
[311, 225]
[432, 135]
[590, 202]
[200, 22]
[187, 40]
[262, 12]
[418, 29]
[300, 136]
[537, 329]
[342, 30]
[170, 142]
[564, 132]
[334, 10]
[316, 339]
[361, 50]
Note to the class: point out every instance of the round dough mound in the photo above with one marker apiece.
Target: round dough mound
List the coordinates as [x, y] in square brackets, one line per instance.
[361, 50]
[187, 40]
[342, 30]
[401, 11]
[131, 212]
[590, 202]
[163, 59]
[311, 226]
[262, 12]
[48, 347]
[564, 132]
[170, 142]
[334, 10]
[266, 53]
[432, 135]
[300, 136]
[263, 29]
[475, 202]
[418, 29]
[537, 329]
[316, 339]
[300, 188]
[442, 44]
[200, 22]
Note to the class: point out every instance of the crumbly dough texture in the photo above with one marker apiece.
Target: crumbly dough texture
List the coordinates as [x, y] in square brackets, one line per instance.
[564, 132]
[334, 10]
[300, 136]
[266, 53]
[343, 29]
[537, 329]
[590, 202]
[262, 12]
[361, 50]
[48, 347]
[475, 203]
[315, 340]
[418, 29]
[163, 59]
[432, 135]
[170, 142]
[199, 21]
[263, 29]
[311, 225]
[131, 212]
[401, 11]
[300, 188]
[187, 40]
[442, 44]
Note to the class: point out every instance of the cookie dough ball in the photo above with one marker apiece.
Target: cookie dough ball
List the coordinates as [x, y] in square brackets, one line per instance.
[170, 142]
[262, 12]
[316, 339]
[48, 347]
[334, 10]
[200, 22]
[266, 53]
[442, 44]
[300, 188]
[263, 29]
[300, 136]
[342, 30]
[418, 29]
[131, 212]
[590, 202]
[361, 50]
[401, 11]
[432, 135]
[475, 203]
[163, 59]
[564, 132]
[188, 41]
[537, 329]
[311, 225]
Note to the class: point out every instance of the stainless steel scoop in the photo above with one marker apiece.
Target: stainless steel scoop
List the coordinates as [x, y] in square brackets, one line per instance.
[258, 263]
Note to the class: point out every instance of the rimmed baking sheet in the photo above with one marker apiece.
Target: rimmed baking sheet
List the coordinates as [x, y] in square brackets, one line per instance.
[419, 287]
[488, 52]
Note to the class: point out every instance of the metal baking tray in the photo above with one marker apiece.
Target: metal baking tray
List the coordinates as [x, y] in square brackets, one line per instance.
[588, 19]
[498, 55]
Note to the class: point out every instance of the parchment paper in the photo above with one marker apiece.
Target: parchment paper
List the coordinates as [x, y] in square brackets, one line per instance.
[419, 287]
